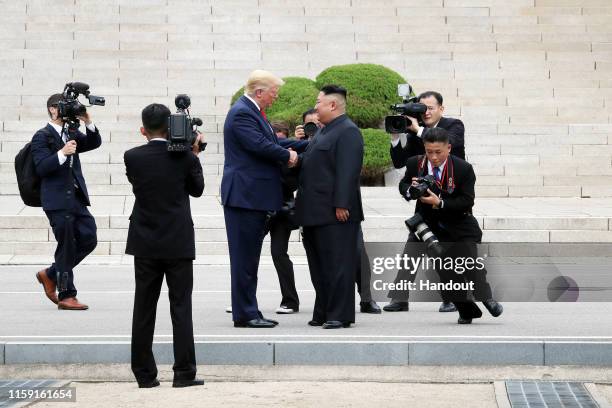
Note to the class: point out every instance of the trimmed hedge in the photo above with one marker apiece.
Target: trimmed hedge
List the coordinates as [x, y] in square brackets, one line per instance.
[294, 98]
[371, 90]
[376, 157]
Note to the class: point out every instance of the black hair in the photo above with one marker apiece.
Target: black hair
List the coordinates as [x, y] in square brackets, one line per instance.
[155, 117]
[308, 112]
[334, 89]
[435, 94]
[436, 135]
[53, 101]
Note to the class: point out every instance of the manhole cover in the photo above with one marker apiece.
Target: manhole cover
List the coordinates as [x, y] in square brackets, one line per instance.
[549, 394]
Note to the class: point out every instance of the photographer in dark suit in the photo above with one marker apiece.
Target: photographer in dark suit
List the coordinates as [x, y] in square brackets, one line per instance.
[447, 211]
[414, 146]
[431, 119]
[161, 238]
[65, 200]
[328, 206]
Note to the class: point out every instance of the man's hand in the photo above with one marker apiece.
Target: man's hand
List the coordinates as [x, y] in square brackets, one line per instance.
[196, 145]
[69, 148]
[299, 132]
[431, 199]
[414, 124]
[342, 214]
[85, 118]
[293, 158]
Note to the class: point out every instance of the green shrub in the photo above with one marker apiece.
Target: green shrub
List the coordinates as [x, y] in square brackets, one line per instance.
[371, 89]
[376, 157]
[294, 98]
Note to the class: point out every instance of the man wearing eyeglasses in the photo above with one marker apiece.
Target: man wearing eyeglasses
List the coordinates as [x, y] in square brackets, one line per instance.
[431, 119]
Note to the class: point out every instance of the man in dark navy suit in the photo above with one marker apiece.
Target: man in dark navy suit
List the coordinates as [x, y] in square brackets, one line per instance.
[250, 188]
[65, 200]
[161, 238]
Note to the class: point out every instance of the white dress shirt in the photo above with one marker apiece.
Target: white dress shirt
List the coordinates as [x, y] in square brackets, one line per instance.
[59, 129]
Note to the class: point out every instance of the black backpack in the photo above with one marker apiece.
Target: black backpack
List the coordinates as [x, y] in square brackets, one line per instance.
[27, 178]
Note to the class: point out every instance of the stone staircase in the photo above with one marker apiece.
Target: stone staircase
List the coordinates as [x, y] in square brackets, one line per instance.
[531, 79]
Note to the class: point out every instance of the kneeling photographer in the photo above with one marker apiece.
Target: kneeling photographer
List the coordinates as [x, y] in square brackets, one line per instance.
[163, 174]
[444, 187]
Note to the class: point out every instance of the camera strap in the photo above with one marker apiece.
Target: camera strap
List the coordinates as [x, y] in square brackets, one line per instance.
[446, 178]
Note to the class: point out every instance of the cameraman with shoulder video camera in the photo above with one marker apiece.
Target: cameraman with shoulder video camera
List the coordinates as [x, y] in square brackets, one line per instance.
[55, 153]
[163, 174]
[417, 117]
[444, 187]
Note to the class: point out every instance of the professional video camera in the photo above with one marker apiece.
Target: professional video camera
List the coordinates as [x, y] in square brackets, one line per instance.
[421, 230]
[420, 189]
[182, 128]
[410, 107]
[70, 107]
[310, 128]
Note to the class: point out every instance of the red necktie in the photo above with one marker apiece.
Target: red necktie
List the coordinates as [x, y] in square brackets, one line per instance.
[263, 113]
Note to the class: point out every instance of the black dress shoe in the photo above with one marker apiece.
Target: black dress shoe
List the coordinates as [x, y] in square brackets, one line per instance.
[447, 307]
[396, 307]
[315, 323]
[493, 307]
[464, 320]
[369, 307]
[274, 322]
[149, 384]
[335, 324]
[186, 383]
[255, 324]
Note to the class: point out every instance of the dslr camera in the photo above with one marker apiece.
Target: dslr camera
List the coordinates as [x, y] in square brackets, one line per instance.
[182, 128]
[421, 230]
[410, 107]
[310, 128]
[70, 107]
[420, 190]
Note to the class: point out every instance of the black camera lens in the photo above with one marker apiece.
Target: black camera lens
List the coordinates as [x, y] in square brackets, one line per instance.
[310, 129]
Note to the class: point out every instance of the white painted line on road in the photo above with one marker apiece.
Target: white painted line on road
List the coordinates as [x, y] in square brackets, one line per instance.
[366, 336]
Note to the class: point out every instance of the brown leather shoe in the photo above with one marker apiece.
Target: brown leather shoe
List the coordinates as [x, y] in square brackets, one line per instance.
[71, 303]
[48, 285]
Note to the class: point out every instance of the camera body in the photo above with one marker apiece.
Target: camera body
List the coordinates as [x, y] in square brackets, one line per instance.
[399, 123]
[182, 128]
[70, 107]
[310, 128]
[420, 190]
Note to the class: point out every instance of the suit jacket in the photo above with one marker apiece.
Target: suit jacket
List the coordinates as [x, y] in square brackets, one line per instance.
[161, 226]
[414, 144]
[455, 220]
[56, 187]
[253, 159]
[329, 175]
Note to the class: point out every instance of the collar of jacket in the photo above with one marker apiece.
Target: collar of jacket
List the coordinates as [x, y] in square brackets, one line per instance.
[334, 123]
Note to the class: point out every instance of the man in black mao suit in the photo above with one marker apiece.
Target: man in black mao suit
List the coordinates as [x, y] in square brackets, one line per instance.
[161, 238]
[328, 206]
[431, 119]
[447, 210]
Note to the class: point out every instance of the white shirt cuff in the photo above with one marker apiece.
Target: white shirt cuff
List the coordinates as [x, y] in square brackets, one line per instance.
[420, 132]
[61, 157]
[91, 127]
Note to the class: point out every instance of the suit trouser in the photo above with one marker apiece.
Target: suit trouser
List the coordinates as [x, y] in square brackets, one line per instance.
[75, 233]
[149, 275]
[332, 256]
[363, 274]
[245, 234]
[280, 232]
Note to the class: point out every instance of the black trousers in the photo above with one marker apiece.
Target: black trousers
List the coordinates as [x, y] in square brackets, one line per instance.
[363, 274]
[332, 256]
[280, 232]
[482, 289]
[75, 232]
[149, 275]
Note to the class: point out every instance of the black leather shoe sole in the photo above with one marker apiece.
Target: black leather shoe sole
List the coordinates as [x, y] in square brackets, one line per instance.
[152, 384]
[256, 324]
[334, 324]
[315, 323]
[190, 383]
[396, 307]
